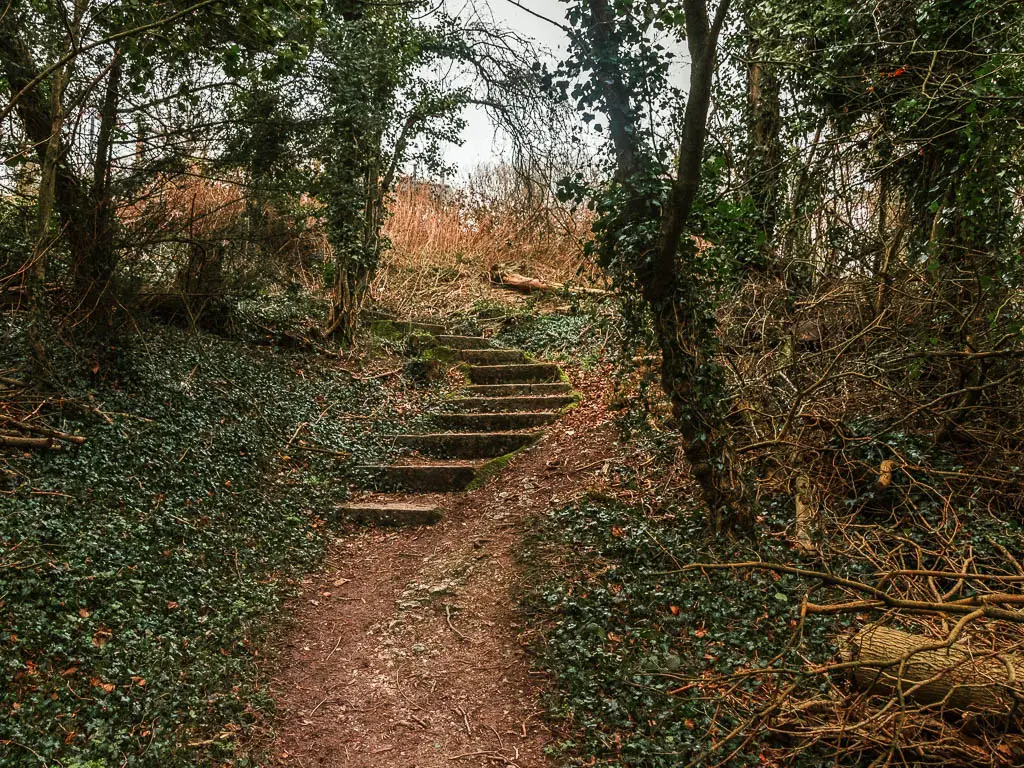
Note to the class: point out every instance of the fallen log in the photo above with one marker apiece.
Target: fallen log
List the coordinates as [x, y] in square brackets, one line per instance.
[950, 674]
[514, 281]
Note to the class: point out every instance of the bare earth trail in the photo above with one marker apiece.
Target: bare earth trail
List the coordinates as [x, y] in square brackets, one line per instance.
[407, 648]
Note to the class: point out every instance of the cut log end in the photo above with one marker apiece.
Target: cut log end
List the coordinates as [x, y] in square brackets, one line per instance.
[806, 516]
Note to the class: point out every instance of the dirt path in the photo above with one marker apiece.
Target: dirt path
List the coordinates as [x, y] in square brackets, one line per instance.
[407, 651]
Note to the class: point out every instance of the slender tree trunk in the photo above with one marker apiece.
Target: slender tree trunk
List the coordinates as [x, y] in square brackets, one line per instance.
[96, 263]
[764, 170]
[36, 275]
[685, 325]
[353, 276]
[69, 198]
[356, 262]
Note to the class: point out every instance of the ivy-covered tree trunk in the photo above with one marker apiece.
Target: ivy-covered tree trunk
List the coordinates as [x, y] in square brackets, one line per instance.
[358, 211]
[42, 118]
[764, 167]
[35, 281]
[964, 235]
[86, 214]
[96, 260]
[371, 53]
[659, 254]
[352, 279]
[695, 385]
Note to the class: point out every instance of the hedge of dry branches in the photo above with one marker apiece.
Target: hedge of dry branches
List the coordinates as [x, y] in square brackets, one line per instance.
[900, 446]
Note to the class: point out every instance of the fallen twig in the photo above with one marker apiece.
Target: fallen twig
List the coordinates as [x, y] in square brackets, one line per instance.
[30, 443]
[965, 606]
[448, 616]
[45, 431]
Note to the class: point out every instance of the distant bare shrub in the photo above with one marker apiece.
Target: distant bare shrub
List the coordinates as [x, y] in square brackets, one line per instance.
[192, 240]
[492, 219]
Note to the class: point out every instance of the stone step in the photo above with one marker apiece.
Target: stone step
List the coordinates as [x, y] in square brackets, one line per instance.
[512, 404]
[391, 515]
[431, 328]
[468, 445]
[405, 327]
[420, 478]
[491, 356]
[463, 342]
[517, 390]
[522, 373]
[376, 314]
[495, 422]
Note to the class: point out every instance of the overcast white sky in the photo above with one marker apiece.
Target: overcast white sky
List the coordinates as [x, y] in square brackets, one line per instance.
[480, 143]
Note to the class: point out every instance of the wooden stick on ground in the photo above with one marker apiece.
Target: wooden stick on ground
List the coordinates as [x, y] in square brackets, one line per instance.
[30, 443]
[45, 431]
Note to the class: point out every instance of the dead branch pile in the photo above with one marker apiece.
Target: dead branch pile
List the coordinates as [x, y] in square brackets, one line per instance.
[900, 445]
[23, 425]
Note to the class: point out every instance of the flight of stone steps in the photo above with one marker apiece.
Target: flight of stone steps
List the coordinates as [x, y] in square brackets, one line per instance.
[501, 411]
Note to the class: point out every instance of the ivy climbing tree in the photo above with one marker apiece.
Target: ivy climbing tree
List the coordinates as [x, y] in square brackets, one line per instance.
[622, 62]
[381, 105]
[81, 81]
[929, 94]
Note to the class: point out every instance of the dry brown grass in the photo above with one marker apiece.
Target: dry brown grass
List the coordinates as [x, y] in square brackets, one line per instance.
[446, 241]
[193, 207]
[435, 226]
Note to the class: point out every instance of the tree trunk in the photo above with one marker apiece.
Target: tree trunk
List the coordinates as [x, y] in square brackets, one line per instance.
[694, 383]
[38, 315]
[684, 322]
[350, 285]
[764, 171]
[96, 262]
[356, 262]
[69, 198]
[353, 277]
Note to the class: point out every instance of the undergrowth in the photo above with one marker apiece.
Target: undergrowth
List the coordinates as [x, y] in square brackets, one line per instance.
[141, 572]
[655, 663]
[583, 333]
[622, 636]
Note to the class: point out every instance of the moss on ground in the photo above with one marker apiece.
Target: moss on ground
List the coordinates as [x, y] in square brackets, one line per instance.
[398, 332]
[444, 355]
[492, 468]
